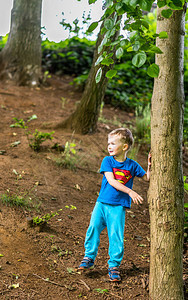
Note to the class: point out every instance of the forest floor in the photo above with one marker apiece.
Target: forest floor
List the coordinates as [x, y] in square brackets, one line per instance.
[39, 262]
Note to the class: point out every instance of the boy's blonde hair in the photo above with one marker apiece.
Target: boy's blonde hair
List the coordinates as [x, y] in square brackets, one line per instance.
[125, 136]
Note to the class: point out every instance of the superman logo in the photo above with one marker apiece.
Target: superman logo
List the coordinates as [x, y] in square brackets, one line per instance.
[122, 176]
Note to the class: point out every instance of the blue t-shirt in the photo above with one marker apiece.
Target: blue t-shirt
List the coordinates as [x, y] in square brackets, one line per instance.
[124, 172]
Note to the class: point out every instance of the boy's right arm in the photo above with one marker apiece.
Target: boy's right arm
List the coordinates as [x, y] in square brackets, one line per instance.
[121, 187]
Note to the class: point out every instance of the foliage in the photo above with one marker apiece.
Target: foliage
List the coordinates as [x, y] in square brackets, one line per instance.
[69, 157]
[139, 41]
[38, 138]
[130, 88]
[21, 123]
[38, 221]
[72, 56]
[19, 200]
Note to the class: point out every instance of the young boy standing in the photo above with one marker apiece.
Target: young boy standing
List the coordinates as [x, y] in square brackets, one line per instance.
[115, 196]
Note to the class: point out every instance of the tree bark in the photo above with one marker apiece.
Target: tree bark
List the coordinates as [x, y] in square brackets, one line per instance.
[20, 60]
[84, 119]
[166, 184]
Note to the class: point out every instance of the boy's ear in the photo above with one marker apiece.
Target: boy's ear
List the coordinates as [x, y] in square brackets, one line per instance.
[125, 147]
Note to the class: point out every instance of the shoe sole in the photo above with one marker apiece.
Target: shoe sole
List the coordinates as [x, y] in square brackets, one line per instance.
[114, 280]
[84, 269]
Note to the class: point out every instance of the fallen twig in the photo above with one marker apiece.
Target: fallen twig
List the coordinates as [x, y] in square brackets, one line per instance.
[49, 281]
[81, 281]
[115, 295]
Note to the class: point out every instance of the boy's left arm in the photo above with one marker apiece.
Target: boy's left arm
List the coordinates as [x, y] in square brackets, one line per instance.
[146, 176]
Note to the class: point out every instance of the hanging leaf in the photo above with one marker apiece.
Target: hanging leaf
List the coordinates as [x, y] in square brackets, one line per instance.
[155, 49]
[111, 73]
[145, 24]
[119, 53]
[136, 46]
[92, 26]
[167, 13]
[153, 70]
[108, 24]
[139, 59]
[92, 1]
[163, 35]
[176, 4]
[98, 75]
[99, 59]
[107, 61]
[161, 3]
[146, 4]
[132, 3]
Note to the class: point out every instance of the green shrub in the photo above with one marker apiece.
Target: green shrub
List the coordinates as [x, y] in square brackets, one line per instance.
[38, 138]
[73, 56]
[69, 157]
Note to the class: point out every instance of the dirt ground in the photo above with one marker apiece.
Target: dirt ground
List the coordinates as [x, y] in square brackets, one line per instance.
[39, 262]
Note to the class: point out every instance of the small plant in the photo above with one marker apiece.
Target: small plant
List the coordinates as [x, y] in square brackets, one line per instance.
[20, 123]
[38, 138]
[21, 200]
[69, 157]
[72, 207]
[101, 291]
[38, 221]
[45, 76]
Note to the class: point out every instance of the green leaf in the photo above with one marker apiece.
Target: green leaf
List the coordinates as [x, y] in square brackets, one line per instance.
[132, 3]
[119, 53]
[111, 73]
[33, 117]
[155, 49]
[98, 75]
[107, 61]
[108, 24]
[161, 3]
[99, 59]
[146, 4]
[175, 4]
[153, 70]
[92, 1]
[139, 59]
[145, 24]
[163, 35]
[136, 46]
[92, 26]
[167, 13]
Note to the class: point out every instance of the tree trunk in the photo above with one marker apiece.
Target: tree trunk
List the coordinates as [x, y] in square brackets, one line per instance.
[166, 184]
[84, 119]
[20, 60]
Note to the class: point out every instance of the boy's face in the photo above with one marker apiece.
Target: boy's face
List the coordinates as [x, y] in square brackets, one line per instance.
[115, 146]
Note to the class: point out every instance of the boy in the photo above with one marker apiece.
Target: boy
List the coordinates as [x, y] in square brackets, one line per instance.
[114, 197]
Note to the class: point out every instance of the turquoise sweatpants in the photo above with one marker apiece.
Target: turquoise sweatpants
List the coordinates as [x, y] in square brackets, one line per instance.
[112, 217]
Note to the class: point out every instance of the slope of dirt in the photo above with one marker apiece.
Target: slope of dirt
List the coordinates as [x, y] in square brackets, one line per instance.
[40, 262]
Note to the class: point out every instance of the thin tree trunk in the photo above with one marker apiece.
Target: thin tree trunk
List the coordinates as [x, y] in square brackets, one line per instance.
[166, 184]
[20, 60]
[84, 119]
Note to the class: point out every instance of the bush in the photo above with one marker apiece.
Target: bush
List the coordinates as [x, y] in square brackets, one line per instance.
[73, 56]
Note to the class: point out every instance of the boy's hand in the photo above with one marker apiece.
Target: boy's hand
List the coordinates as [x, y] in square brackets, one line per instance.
[149, 160]
[135, 197]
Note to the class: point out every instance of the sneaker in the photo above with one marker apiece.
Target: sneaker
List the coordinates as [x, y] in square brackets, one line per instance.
[87, 263]
[114, 274]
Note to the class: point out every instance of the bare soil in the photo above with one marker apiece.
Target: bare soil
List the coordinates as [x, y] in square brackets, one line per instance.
[39, 262]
